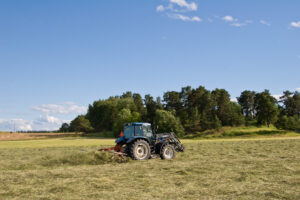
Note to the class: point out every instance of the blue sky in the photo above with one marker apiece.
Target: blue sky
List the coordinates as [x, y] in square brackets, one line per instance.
[58, 56]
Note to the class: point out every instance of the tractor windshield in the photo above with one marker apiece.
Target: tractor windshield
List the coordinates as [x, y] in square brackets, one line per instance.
[147, 131]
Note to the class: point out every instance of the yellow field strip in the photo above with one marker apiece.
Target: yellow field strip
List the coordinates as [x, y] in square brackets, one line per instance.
[70, 142]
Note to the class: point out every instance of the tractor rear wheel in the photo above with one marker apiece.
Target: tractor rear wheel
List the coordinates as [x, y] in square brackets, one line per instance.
[167, 152]
[140, 150]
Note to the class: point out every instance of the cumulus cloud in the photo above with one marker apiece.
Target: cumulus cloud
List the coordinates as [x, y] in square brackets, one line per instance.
[15, 124]
[229, 18]
[264, 22]
[295, 24]
[63, 108]
[175, 7]
[45, 122]
[185, 18]
[184, 4]
[235, 22]
[160, 8]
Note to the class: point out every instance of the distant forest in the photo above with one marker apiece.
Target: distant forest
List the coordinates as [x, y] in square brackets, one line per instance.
[189, 111]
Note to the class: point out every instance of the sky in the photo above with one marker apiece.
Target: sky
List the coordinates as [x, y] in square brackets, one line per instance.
[58, 56]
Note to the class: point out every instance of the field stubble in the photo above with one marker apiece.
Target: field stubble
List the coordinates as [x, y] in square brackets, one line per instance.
[221, 169]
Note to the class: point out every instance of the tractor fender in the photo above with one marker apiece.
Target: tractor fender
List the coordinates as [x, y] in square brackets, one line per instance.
[121, 140]
[131, 140]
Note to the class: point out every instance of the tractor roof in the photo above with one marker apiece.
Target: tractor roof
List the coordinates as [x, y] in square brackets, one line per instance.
[137, 123]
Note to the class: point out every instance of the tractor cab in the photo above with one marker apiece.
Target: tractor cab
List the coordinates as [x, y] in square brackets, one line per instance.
[136, 130]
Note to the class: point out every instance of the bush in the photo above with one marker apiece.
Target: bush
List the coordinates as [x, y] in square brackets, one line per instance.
[167, 122]
[288, 123]
[81, 124]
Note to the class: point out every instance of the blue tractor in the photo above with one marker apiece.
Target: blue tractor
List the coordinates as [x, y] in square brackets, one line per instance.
[139, 142]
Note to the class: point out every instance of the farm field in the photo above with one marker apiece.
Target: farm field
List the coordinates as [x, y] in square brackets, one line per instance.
[69, 168]
[29, 136]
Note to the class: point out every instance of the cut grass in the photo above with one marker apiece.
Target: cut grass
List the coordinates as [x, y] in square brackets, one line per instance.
[209, 169]
[7, 136]
[58, 142]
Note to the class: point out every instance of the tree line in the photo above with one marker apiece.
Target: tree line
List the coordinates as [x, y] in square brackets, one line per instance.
[190, 110]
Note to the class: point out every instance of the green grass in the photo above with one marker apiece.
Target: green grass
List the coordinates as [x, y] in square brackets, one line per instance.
[256, 168]
[242, 132]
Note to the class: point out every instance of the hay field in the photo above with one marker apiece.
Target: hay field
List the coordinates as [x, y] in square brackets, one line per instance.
[209, 169]
[8, 136]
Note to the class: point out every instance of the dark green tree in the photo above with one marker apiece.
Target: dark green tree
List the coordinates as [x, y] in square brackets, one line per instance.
[150, 107]
[81, 124]
[246, 100]
[201, 110]
[291, 103]
[159, 105]
[222, 101]
[172, 100]
[127, 94]
[65, 127]
[138, 101]
[266, 108]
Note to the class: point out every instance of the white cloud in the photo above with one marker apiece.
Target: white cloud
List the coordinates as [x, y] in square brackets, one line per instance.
[15, 124]
[264, 22]
[160, 8]
[298, 89]
[241, 24]
[185, 18]
[229, 18]
[48, 119]
[182, 3]
[197, 19]
[237, 24]
[295, 24]
[277, 96]
[46, 122]
[63, 108]
[234, 100]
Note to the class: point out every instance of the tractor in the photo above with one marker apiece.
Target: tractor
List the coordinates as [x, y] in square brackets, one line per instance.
[138, 141]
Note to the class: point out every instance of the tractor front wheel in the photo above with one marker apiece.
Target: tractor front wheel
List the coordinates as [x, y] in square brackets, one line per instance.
[167, 152]
[140, 150]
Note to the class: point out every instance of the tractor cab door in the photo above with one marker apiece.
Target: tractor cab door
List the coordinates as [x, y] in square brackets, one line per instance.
[147, 131]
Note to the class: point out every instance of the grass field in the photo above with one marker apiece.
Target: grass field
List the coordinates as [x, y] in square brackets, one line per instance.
[69, 168]
[242, 132]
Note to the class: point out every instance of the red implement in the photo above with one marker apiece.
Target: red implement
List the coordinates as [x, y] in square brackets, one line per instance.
[116, 150]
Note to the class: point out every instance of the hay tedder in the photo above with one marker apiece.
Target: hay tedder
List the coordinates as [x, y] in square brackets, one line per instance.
[138, 141]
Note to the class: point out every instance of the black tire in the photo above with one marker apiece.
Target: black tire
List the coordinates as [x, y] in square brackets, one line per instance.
[167, 152]
[140, 150]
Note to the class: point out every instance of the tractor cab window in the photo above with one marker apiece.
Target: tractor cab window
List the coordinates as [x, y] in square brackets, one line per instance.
[138, 130]
[147, 130]
[128, 131]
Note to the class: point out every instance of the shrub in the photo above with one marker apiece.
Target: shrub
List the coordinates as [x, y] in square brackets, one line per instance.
[167, 122]
[288, 123]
